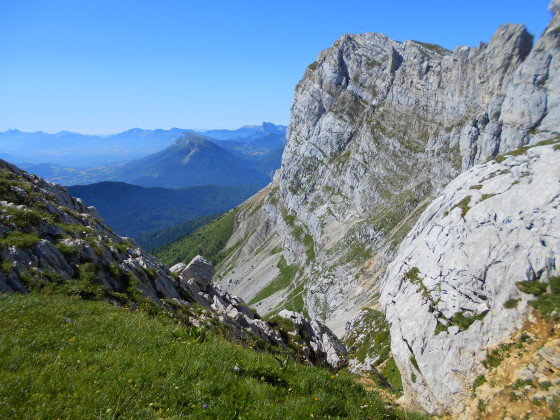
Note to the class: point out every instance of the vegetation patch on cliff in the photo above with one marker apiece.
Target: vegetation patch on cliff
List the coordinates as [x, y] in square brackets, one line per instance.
[370, 338]
[280, 282]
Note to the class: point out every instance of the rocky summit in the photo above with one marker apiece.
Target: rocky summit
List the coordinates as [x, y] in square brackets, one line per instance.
[419, 182]
[378, 129]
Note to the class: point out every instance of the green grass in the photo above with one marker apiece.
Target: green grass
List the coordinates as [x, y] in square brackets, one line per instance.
[497, 356]
[463, 205]
[532, 287]
[309, 247]
[288, 218]
[208, 241]
[546, 303]
[412, 276]
[63, 357]
[523, 149]
[393, 376]
[460, 320]
[280, 282]
[294, 301]
[19, 240]
[414, 362]
[312, 66]
[374, 338]
[479, 381]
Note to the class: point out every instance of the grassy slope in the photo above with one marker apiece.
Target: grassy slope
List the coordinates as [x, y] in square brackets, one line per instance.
[62, 357]
[207, 241]
[163, 237]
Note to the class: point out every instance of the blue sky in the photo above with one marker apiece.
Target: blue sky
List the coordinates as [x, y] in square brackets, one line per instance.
[105, 66]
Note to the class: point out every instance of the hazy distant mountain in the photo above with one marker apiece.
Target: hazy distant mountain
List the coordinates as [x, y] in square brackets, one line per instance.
[85, 151]
[257, 146]
[67, 158]
[247, 132]
[132, 210]
[192, 160]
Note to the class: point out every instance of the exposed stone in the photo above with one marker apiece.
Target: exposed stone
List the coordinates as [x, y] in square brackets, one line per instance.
[378, 128]
[327, 349]
[551, 353]
[84, 246]
[462, 254]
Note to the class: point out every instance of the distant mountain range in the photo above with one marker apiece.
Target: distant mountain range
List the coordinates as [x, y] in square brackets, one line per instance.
[83, 151]
[193, 159]
[132, 210]
[246, 156]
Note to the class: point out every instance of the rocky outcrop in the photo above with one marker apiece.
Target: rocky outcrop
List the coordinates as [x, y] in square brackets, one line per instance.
[50, 239]
[378, 128]
[316, 340]
[451, 293]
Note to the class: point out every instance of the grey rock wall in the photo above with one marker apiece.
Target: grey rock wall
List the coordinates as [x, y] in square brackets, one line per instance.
[378, 128]
[464, 260]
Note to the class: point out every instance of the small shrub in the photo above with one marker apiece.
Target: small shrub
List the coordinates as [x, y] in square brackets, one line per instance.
[475, 187]
[412, 274]
[511, 303]
[68, 250]
[6, 266]
[497, 356]
[19, 240]
[479, 381]
[523, 383]
[513, 397]
[285, 324]
[53, 276]
[532, 287]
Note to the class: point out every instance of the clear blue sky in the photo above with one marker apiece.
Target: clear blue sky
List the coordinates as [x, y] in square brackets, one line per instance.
[96, 66]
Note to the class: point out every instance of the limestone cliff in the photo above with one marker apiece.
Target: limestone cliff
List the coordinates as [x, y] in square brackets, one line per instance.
[452, 292]
[378, 128]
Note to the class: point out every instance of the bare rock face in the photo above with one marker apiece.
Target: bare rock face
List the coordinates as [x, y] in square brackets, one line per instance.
[445, 293]
[378, 128]
[318, 342]
[199, 270]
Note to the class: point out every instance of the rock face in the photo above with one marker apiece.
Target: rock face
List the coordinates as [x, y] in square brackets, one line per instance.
[378, 128]
[318, 342]
[445, 293]
[48, 237]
